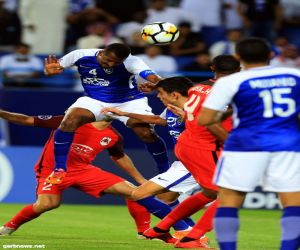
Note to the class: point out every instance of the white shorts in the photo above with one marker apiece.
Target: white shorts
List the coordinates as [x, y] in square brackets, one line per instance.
[177, 179]
[139, 106]
[274, 171]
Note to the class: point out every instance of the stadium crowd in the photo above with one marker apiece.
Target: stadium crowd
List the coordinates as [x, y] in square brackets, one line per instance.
[97, 23]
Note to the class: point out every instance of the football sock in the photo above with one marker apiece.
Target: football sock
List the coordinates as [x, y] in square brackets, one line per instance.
[204, 224]
[160, 210]
[226, 225]
[159, 153]
[62, 143]
[186, 208]
[290, 235]
[24, 215]
[141, 216]
[188, 220]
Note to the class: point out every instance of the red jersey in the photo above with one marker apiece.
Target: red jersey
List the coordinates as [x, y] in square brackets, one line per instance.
[194, 135]
[87, 143]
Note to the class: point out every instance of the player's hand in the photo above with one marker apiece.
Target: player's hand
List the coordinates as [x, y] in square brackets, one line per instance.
[52, 66]
[115, 111]
[146, 87]
[177, 111]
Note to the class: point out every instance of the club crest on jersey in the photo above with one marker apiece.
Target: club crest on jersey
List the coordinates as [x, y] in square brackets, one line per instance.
[105, 141]
[108, 70]
[45, 117]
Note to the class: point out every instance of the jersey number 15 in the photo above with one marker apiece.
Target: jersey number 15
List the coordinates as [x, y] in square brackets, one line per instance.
[275, 96]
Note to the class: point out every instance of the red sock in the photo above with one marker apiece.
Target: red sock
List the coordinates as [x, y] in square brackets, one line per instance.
[185, 209]
[140, 215]
[205, 223]
[25, 214]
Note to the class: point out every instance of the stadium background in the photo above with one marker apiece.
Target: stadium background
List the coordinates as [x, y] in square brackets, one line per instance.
[20, 146]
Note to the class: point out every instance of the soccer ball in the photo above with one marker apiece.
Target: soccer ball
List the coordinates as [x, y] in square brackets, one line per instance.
[160, 33]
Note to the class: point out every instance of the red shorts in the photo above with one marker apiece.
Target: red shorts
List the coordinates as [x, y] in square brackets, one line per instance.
[91, 180]
[201, 163]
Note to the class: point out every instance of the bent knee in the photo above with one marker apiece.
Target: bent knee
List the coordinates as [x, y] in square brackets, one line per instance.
[46, 205]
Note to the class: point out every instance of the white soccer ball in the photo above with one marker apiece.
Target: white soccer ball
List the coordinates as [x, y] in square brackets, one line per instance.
[160, 33]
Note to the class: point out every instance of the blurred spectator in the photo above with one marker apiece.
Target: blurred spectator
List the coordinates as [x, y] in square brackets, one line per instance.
[83, 15]
[278, 45]
[288, 58]
[208, 14]
[226, 47]
[20, 68]
[261, 18]
[99, 36]
[291, 21]
[189, 42]
[130, 32]
[155, 60]
[201, 63]
[124, 10]
[10, 28]
[44, 25]
[160, 12]
[232, 18]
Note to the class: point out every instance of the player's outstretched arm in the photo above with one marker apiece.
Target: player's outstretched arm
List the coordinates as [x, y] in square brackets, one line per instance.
[218, 131]
[151, 119]
[127, 165]
[17, 118]
[176, 110]
[52, 66]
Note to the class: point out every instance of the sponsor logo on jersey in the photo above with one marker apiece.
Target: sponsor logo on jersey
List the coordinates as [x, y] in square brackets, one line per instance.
[173, 121]
[174, 134]
[82, 149]
[45, 117]
[108, 70]
[95, 81]
[105, 141]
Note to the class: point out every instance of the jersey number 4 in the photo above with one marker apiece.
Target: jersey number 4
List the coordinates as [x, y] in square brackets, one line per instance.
[275, 96]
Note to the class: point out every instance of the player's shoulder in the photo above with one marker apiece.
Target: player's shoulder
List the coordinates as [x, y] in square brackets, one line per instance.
[86, 52]
[132, 59]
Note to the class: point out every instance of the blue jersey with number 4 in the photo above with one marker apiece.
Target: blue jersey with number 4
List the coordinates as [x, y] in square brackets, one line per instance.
[266, 104]
[111, 85]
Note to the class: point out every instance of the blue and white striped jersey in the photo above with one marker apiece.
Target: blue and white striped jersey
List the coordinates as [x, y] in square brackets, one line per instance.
[266, 103]
[174, 123]
[111, 85]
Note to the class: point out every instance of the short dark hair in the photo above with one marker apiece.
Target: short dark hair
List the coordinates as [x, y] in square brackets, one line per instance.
[253, 50]
[226, 64]
[178, 84]
[121, 50]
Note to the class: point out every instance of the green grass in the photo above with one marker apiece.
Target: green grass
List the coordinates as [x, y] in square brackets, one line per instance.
[110, 227]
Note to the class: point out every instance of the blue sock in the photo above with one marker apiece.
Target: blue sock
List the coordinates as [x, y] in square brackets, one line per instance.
[226, 224]
[62, 143]
[159, 153]
[188, 220]
[160, 210]
[290, 226]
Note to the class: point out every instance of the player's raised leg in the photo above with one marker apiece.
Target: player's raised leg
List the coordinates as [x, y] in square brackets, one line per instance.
[63, 137]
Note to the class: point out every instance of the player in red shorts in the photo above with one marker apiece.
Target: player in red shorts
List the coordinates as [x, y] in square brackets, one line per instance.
[197, 148]
[90, 139]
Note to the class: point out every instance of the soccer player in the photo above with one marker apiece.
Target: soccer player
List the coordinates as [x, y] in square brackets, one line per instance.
[264, 144]
[193, 144]
[89, 140]
[108, 78]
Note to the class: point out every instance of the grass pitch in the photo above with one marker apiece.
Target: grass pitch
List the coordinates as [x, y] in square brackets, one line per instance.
[84, 227]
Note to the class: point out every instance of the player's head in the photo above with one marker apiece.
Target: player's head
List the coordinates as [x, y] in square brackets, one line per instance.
[253, 51]
[113, 55]
[171, 90]
[225, 65]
